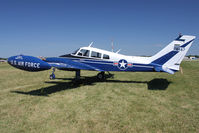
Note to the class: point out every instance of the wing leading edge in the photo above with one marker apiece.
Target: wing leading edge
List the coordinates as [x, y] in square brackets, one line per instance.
[64, 63]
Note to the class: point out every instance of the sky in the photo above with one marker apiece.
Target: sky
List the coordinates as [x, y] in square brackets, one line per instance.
[56, 27]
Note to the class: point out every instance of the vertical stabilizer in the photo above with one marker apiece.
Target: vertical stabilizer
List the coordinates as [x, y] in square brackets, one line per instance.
[172, 55]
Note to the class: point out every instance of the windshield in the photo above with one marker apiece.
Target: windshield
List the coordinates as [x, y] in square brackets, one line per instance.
[74, 53]
[84, 52]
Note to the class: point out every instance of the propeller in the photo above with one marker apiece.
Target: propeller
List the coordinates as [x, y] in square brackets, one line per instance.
[181, 71]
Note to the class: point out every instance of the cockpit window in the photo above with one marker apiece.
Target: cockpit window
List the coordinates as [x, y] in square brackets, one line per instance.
[74, 53]
[105, 56]
[84, 52]
[96, 54]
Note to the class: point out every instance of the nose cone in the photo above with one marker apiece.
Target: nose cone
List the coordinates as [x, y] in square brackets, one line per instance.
[28, 63]
[11, 60]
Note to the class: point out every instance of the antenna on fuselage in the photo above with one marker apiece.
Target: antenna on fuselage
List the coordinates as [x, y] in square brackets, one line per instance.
[112, 46]
[118, 51]
[90, 44]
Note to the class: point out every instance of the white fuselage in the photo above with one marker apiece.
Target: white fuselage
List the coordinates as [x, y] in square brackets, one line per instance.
[113, 56]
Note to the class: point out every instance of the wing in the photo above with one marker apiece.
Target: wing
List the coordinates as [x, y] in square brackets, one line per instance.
[64, 63]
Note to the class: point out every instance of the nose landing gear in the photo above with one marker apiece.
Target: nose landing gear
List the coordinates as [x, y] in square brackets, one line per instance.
[52, 76]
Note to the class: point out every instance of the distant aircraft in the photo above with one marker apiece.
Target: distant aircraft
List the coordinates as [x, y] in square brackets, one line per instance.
[89, 58]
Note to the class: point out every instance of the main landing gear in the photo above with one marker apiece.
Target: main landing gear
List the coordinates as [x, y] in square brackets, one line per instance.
[100, 76]
[77, 74]
[103, 76]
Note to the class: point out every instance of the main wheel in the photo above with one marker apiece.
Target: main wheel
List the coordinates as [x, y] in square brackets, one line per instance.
[100, 76]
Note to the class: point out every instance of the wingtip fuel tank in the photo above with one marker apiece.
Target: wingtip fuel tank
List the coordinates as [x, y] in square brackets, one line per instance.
[28, 63]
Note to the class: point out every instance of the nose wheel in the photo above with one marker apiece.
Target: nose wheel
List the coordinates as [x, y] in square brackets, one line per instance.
[52, 76]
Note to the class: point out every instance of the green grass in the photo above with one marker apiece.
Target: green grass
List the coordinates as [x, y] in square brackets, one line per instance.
[129, 102]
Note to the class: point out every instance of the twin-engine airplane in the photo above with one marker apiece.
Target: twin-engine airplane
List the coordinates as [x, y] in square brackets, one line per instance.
[88, 58]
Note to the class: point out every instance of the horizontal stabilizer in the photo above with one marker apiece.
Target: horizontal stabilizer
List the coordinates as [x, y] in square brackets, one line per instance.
[164, 69]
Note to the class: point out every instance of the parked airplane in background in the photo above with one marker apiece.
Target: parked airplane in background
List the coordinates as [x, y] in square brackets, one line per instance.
[89, 58]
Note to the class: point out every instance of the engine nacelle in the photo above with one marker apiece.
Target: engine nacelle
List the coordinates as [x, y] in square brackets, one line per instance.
[28, 63]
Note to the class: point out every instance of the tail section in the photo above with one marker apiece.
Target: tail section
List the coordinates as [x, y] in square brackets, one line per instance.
[169, 59]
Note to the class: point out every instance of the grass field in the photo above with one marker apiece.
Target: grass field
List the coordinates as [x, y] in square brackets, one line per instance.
[129, 102]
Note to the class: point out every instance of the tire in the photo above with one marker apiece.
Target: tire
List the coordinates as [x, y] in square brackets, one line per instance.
[100, 76]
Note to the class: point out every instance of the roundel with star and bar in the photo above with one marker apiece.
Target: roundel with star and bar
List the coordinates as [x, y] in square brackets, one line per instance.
[123, 64]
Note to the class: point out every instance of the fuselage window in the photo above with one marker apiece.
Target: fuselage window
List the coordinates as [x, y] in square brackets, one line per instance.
[105, 56]
[96, 54]
[84, 52]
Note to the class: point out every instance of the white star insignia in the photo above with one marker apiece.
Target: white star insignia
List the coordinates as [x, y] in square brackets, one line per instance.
[123, 64]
